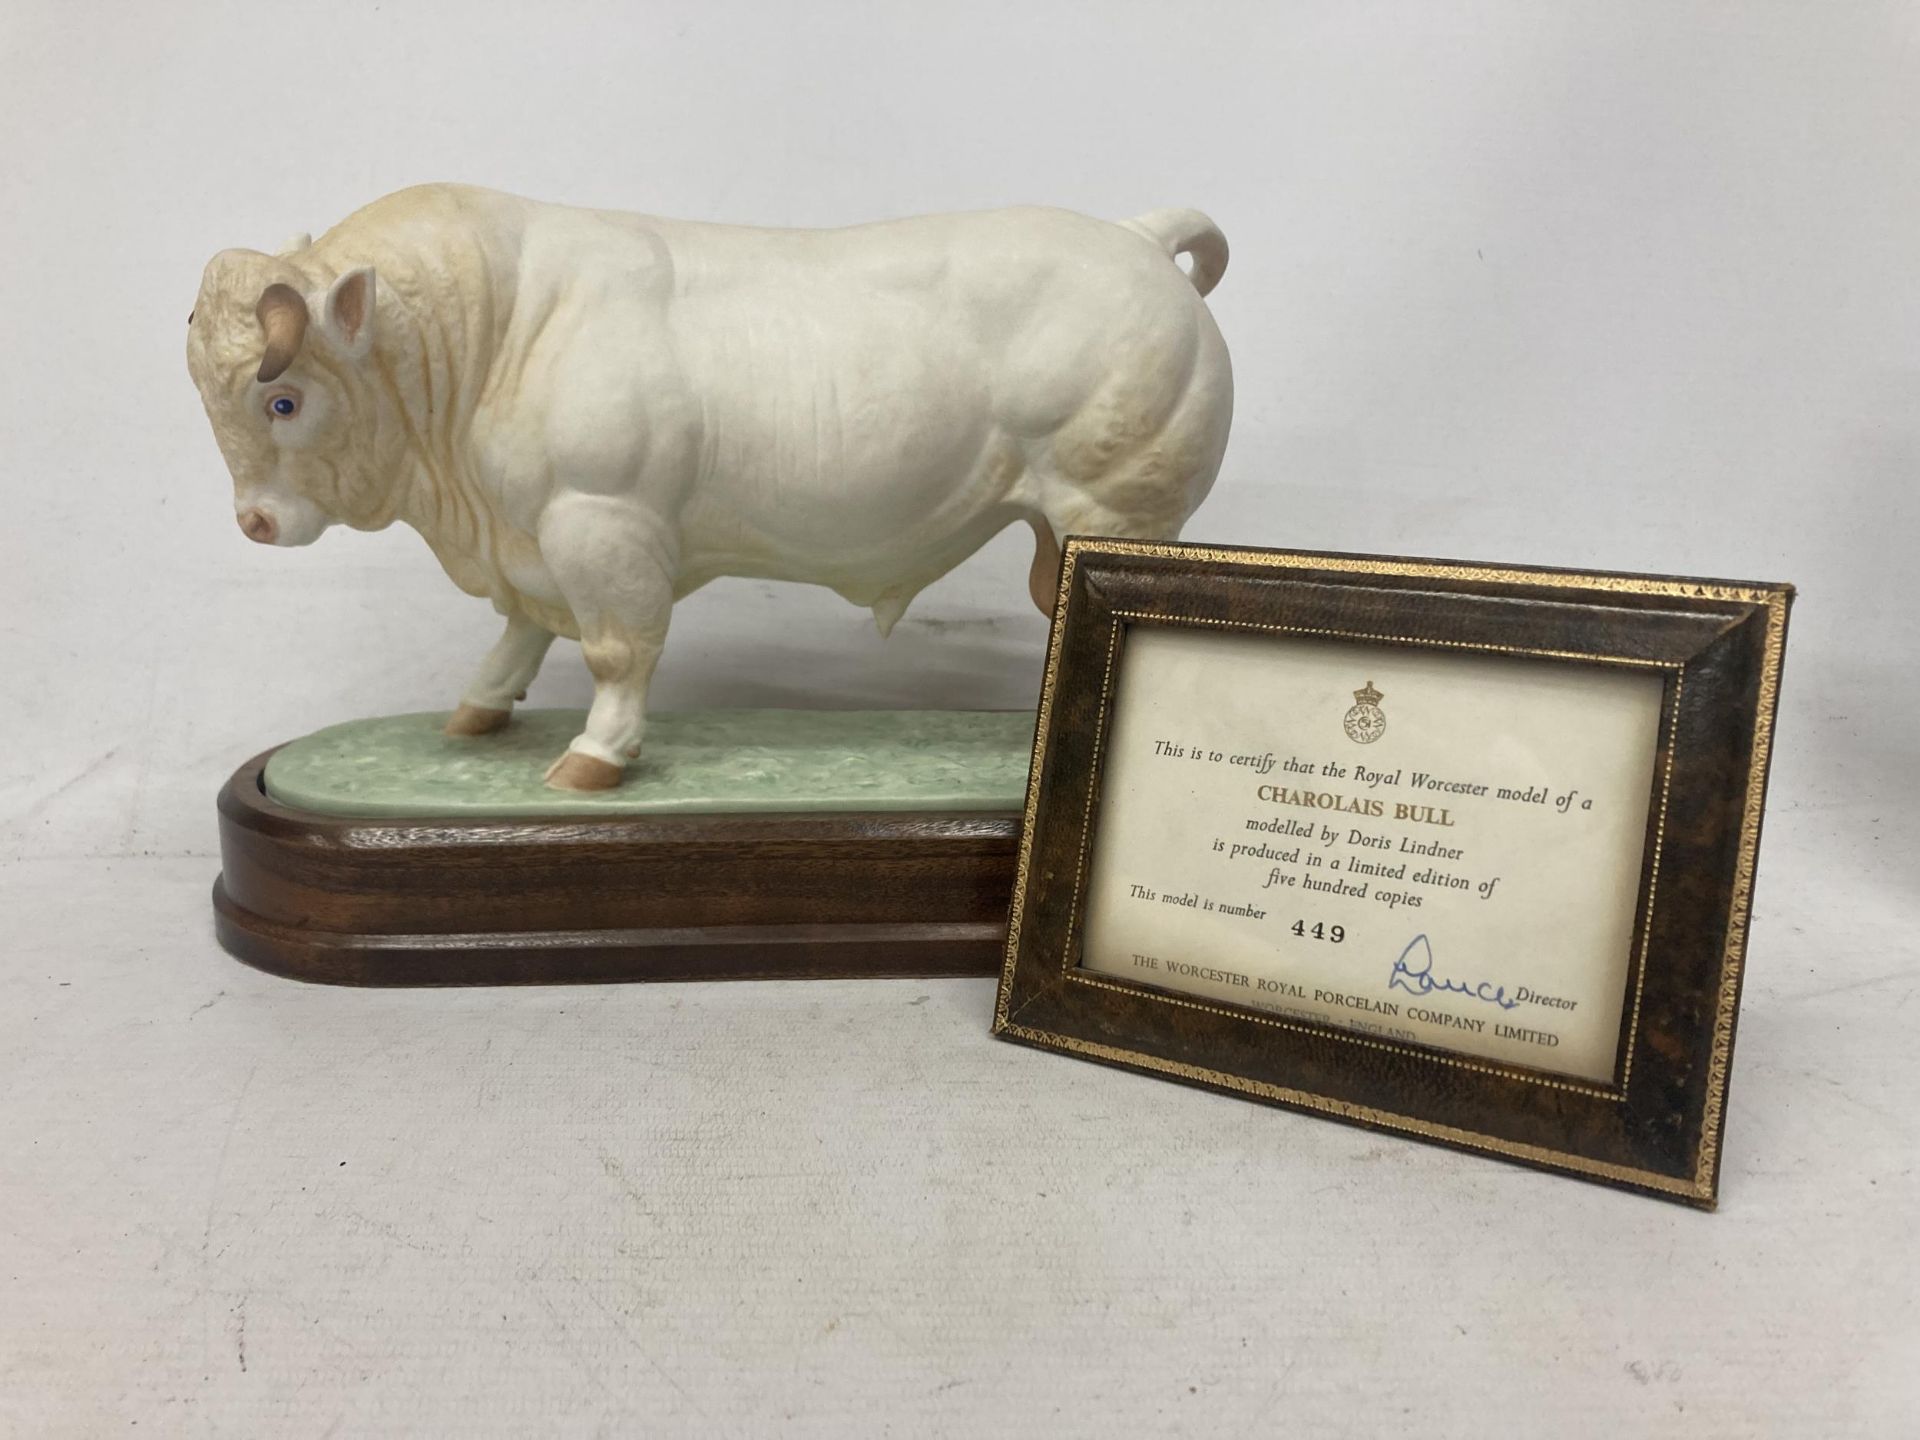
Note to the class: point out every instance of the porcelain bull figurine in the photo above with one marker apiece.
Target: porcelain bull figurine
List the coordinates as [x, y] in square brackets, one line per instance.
[589, 414]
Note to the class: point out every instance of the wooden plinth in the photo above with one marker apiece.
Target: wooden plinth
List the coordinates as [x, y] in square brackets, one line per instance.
[619, 898]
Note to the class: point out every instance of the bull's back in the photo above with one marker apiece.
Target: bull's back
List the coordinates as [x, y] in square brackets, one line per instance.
[877, 354]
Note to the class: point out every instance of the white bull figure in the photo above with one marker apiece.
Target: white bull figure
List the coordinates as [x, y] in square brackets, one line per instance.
[588, 414]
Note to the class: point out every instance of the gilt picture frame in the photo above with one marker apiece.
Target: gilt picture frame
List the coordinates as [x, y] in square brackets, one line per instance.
[1464, 852]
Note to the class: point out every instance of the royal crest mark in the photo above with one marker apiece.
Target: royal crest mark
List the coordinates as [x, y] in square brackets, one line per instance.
[1364, 722]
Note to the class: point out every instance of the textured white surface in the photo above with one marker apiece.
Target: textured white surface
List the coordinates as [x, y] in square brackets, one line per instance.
[1629, 286]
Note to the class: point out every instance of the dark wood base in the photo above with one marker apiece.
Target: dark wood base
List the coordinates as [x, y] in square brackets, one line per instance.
[619, 898]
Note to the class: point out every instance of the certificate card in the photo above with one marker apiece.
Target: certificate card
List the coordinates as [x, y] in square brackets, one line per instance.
[1461, 851]
[1435, 848]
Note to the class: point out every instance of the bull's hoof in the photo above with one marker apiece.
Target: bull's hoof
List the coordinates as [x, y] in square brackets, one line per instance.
[574, 771]
[477, 720]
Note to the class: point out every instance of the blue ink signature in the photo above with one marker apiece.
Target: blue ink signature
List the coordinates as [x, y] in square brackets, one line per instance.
[1418, 979]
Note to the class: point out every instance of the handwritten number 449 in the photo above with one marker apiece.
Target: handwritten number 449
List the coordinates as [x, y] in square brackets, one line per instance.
[1333, 934]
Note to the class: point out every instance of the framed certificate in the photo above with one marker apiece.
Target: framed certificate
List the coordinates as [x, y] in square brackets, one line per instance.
[1460, 851]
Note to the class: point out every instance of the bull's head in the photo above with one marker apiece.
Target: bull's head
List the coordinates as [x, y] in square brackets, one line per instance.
[285, 370]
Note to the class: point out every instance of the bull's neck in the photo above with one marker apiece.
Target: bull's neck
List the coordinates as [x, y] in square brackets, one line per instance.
[442, 499]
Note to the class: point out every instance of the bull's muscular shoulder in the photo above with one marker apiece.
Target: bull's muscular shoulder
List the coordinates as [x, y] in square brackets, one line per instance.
[587, 390]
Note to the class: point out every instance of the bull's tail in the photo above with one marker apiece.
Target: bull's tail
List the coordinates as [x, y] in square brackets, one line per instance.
[1186, 232]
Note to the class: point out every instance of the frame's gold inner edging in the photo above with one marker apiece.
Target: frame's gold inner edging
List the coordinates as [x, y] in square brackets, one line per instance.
[1623, 1063]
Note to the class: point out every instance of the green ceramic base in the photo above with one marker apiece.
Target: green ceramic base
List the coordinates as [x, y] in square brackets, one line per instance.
[696, 761]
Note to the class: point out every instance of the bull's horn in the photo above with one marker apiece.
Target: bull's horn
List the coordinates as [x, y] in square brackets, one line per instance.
[282, 313]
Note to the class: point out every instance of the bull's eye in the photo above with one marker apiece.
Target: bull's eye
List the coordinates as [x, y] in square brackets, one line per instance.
[283, 406]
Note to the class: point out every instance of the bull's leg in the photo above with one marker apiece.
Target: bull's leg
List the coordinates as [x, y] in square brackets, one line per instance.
[503, 678]
[615, 568]
[1043, 578]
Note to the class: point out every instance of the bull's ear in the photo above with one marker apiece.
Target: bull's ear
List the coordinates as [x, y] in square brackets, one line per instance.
[347, 314]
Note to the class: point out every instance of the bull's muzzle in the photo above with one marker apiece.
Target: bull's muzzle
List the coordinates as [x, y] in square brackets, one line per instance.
[258, 526]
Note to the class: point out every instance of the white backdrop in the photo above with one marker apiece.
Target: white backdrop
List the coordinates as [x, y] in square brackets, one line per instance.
[1627, 286]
